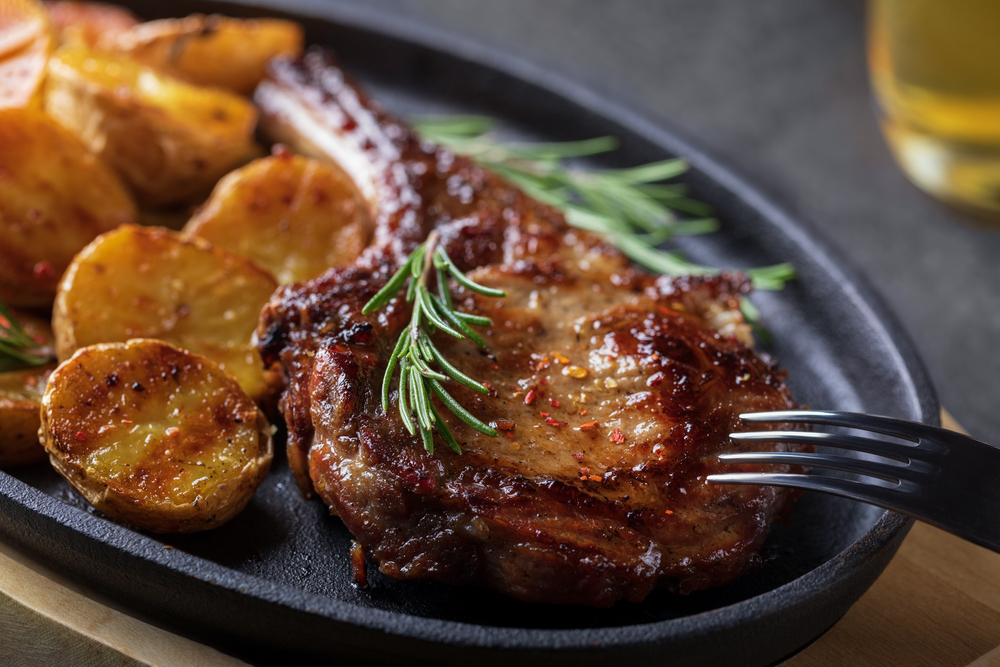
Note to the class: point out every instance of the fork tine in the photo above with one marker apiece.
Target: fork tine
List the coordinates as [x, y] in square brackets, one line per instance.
[898, 428]
[892, 450]
[890, 472]
[895, 499]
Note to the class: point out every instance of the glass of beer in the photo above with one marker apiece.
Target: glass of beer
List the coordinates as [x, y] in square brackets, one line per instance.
[935, 72]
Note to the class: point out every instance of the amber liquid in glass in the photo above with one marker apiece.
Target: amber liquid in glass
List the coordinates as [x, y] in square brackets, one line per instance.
[935, 69]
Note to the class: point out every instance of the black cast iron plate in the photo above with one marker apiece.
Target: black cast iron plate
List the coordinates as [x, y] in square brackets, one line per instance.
[274, 585]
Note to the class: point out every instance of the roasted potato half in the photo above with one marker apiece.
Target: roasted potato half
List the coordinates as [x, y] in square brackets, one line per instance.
[138, 282]
[210, 50]
[21, 396]
[155, 436]
[55, 198]
[26, 40]
[88, 22]
[170, 140]
[20, 400]
[294, 216]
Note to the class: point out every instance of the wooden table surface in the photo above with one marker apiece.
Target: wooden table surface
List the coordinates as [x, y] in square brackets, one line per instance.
[937, 604]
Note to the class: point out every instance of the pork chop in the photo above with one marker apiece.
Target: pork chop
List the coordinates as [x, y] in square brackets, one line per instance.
[613, 390]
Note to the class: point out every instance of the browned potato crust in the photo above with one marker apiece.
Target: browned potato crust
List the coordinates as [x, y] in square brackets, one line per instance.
[170, 141]
[211, 50]
[137, 282]
[55, 198]
[88, 22]
[155, 436]
[294, 216]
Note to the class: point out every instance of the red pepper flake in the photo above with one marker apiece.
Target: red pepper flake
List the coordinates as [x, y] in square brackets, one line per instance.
[578, 457]
[127, 421]
[554, 422]
[543, 364]
[510, 434]
[588, 426]
[81, 436]
[530, 397]
[173, 431]
[667, 311]
[617, 436]
[544, 414]
[503, 425]
[554, 403]
[543, 381]
[667, 512]
[43, 271]
[494, 367]
[583, 412]
[584, 471]
[595, 478]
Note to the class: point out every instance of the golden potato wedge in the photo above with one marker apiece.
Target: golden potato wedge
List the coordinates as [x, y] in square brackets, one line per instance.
[138, 282]
[88, 22]
[26, 40]
[210, 50]
[20, 400]
[294, 216]
[154, 436]
[55, 198]
[170, 141]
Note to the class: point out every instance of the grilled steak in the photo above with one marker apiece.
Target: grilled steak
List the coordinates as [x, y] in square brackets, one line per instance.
[613, 390]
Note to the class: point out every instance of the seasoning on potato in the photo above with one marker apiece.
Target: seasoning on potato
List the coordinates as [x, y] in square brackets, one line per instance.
[170, 140]
[55, 198]
[294, 216]
[155, 436]
[210, 50]
[137, 282]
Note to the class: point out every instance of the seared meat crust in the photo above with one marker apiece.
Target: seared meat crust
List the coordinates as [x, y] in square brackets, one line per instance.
[613, 390]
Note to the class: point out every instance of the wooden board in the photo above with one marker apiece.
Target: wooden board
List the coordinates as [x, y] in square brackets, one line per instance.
[937, 604]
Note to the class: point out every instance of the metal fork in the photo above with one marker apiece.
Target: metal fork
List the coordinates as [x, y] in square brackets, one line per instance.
[942, 477]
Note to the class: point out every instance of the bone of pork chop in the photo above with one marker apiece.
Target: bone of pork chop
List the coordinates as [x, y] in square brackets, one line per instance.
[612, 392]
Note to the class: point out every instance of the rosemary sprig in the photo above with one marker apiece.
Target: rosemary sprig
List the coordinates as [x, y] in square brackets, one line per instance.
[415, 351]
[631, 208]
[17, 349]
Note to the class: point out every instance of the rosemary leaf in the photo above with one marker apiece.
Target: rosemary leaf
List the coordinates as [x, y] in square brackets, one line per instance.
[415, 350]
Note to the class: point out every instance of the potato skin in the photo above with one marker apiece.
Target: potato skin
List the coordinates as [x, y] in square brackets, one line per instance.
[137, 282]
[169, 140]
[294, 216]
[210, 50]
[55, 198]
[154, 436]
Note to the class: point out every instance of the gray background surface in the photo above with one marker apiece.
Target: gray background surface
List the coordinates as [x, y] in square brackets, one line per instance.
[778, 90]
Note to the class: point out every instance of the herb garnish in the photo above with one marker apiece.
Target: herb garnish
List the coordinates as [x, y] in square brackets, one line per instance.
[17, 348]
[630, 208]
[415, 350]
